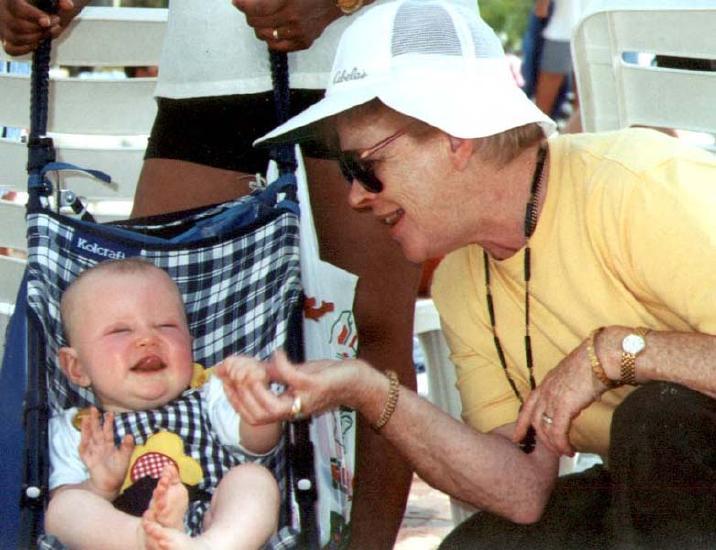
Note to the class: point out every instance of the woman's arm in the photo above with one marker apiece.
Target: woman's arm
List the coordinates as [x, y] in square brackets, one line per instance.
[486, 470]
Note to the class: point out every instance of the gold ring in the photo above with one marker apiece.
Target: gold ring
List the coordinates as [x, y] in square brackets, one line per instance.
[547, 419]
[275, 34]
[296, 408]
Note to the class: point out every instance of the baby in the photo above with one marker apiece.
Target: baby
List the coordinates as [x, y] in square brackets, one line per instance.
[129, 342]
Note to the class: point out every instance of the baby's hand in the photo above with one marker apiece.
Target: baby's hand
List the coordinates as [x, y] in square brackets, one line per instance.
[106, 463]
[247, 386]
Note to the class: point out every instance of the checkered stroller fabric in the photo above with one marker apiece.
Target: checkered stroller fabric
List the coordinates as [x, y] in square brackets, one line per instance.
[236, 265]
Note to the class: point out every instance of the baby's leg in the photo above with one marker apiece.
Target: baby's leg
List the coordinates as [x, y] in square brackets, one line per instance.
[81, 519]
[243, 515]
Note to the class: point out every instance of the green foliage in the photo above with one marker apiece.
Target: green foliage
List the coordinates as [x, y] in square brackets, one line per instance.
[508, 18]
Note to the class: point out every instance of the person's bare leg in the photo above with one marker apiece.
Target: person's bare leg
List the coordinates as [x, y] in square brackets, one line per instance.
[244, 515]
[81, 520]
[384, 310]
[167, 185]
[548, 85]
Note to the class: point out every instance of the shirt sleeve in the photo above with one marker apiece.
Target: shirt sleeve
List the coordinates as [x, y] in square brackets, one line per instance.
[66, 466]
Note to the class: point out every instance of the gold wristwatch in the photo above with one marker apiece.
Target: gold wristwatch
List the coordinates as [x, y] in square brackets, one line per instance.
[632, 345]
[349, 6]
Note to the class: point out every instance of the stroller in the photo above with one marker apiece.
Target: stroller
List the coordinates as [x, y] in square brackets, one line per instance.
[237, 266]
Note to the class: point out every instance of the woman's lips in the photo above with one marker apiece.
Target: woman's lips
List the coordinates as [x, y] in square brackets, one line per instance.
[393, 218]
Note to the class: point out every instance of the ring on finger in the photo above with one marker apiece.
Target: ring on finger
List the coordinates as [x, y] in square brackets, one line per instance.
[274, 33]
[296, 408]
[547, 419]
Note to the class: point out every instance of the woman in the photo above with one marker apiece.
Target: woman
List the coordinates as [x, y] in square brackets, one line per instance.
[577, 267]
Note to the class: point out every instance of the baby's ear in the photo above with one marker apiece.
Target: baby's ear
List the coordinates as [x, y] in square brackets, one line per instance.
[71, 366]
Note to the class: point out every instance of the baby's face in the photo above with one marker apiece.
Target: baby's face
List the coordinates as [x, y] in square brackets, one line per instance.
[132, 340]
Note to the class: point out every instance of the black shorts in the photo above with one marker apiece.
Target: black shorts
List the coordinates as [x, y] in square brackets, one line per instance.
[219, 131]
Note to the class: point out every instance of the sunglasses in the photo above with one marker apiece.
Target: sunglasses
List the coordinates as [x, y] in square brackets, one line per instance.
[356, 166]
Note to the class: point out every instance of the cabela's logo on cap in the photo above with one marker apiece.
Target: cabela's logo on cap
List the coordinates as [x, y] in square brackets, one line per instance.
[346, 76]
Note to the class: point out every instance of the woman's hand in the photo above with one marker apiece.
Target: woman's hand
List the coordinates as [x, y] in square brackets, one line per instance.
[317, 385]
[288, 25]
[106, 463]
[23, 26]
[566, 390]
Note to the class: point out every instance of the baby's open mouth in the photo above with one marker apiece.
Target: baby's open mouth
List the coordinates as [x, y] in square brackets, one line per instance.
[149, 364]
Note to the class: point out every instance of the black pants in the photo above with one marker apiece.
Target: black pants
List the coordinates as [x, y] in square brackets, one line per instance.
[659, 490]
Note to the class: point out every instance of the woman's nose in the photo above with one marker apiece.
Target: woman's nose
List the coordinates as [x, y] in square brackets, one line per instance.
[359, 197]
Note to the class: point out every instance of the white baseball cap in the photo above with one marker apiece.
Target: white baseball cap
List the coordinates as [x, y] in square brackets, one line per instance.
[433, 60]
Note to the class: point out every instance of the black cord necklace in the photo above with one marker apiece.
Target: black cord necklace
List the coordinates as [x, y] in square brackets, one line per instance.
[528, 442]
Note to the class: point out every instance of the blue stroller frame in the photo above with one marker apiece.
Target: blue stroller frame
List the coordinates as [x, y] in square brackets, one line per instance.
[237, 267]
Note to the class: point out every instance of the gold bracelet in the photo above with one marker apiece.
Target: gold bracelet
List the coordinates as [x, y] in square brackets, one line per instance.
[597, 368]
[391, 402]
[349, 6]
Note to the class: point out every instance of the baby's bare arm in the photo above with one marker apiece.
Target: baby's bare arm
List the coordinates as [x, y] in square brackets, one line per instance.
[245, 381]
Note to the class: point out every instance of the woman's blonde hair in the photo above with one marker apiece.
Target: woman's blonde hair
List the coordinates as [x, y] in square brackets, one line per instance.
[503, 147]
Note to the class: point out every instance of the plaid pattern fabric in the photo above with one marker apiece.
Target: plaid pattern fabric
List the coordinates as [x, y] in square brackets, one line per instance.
[187, 418]
[239, 287]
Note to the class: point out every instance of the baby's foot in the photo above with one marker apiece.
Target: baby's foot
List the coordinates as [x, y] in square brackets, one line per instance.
[166, 538]
[170, 500]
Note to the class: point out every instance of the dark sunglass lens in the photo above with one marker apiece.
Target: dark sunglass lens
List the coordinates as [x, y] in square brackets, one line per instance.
[345, 168]
[352, 168]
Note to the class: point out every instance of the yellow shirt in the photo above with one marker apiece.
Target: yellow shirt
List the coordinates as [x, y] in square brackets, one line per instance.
[627, 236]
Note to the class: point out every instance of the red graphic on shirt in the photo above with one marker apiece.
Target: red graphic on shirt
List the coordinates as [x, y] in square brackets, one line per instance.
[315, 313]
[150, 465]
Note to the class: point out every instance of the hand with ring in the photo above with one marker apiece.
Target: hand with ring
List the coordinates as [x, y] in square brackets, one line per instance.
[288, 25]
[23, 26]
[564, 392]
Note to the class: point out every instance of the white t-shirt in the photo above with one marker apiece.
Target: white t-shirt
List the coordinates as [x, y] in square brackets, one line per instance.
[564, 19]
[66, 466]
[210, 50]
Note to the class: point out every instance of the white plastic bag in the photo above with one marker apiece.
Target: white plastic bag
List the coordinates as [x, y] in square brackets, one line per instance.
[329, 332]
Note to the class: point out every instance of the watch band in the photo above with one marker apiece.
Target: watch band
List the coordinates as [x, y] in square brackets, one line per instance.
[628, 362]
[349, 6]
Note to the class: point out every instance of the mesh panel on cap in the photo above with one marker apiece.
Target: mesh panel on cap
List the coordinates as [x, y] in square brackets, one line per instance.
[487, 45]
[427, 28]
[424, 28]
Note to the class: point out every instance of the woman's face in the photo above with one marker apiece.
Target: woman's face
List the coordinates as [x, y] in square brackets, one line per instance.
[417, 203]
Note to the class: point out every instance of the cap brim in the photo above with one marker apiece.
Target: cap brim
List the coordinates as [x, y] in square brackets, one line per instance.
[499, 106]
[302, 126]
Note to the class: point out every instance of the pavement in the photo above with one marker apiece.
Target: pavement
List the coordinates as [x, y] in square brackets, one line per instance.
[427, 518]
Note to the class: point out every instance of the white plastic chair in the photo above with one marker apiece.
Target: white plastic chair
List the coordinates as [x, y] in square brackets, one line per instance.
[616, 94]
[98, 123]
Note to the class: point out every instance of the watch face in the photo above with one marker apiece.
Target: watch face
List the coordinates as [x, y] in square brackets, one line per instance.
[633, 343]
